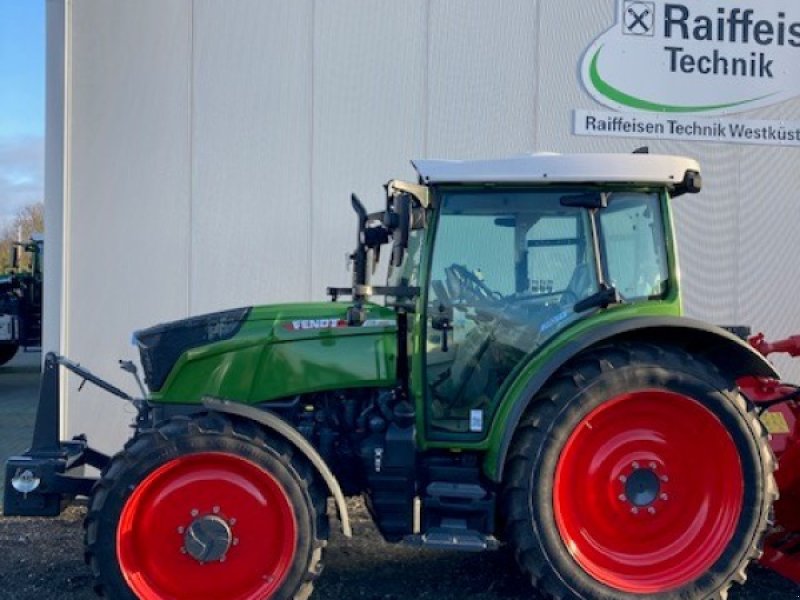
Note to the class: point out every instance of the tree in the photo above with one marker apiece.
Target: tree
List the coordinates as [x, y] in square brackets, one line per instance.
[29, 220]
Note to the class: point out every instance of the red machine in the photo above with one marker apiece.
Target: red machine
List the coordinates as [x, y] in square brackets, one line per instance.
[779, 404]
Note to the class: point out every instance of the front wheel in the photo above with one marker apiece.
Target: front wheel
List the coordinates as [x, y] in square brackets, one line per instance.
[206, 508]
[637, 472]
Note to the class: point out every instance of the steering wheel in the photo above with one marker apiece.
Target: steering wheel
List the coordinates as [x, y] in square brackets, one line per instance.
[465, 286]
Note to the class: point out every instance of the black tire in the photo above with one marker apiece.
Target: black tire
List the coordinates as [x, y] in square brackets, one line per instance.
[182, 437]
[528, 498]
[7, 352]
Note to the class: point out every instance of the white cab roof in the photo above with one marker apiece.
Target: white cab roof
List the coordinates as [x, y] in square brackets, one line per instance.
[556, 168]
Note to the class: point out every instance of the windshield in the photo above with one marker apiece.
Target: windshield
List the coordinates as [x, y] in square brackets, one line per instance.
[513, 245]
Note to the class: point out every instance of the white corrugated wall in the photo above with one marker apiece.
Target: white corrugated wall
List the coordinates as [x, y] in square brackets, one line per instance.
[211, 146]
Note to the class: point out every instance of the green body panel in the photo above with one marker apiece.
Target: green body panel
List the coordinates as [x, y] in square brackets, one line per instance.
[288, 349]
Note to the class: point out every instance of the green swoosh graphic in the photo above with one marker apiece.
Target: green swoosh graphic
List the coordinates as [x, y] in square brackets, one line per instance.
[620, 97]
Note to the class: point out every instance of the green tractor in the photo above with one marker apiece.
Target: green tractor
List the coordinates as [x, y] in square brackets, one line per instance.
[527, 379]
[21, 301]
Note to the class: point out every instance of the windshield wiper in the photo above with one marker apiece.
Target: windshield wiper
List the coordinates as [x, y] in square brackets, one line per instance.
[604, 298]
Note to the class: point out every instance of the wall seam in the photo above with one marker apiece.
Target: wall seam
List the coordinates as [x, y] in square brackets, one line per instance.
[426, 89]
[312, 42]
[66, 217]
[536, 66]
[190, 143]
[737, 307]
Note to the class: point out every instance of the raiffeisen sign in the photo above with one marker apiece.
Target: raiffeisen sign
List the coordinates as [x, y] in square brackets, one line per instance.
[700, 57]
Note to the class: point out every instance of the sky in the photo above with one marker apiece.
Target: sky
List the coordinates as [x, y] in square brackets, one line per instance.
[22, 76]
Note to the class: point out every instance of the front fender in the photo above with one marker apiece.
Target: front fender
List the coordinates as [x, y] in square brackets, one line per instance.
[274, 423]
[734, 357]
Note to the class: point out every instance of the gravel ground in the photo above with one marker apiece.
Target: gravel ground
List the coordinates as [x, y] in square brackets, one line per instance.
[43, 559]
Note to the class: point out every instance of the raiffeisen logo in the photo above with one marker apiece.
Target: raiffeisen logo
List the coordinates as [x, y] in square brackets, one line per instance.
[702, 57]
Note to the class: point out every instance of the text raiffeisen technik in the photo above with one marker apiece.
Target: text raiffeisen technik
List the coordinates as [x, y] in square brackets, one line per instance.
[728, 26]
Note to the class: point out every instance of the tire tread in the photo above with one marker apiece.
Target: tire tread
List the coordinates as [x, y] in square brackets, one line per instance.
[534, 429]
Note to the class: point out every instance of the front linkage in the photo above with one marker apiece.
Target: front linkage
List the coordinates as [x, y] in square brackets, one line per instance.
[46, 478]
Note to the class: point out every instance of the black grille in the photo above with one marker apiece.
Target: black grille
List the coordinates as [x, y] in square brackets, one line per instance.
[162, 345]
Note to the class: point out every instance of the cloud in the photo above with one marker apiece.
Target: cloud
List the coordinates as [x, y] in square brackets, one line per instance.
[21, 174]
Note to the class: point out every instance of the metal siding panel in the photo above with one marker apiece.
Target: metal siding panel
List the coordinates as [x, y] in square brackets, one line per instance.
[566, 29]
[707, 232]
[181, 178]
[128, 194]
[768, 274]
[482, 78]
[251, 153]
[369, 117]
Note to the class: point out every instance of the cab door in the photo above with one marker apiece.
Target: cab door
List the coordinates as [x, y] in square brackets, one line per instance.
[507, 268]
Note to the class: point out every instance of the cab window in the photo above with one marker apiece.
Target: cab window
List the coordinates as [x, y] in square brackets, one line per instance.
[632, 233]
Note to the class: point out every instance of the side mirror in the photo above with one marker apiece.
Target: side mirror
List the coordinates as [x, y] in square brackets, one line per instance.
[359, 256]
[14, 256]
[402, 208]
[692, 184]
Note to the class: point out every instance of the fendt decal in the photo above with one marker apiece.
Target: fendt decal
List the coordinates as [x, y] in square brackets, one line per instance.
[333, 323]
[701, 57]
[305, 324]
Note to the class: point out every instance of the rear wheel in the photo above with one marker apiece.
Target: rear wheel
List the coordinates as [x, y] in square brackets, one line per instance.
[7, 352]
[206, 508]
[637, 472]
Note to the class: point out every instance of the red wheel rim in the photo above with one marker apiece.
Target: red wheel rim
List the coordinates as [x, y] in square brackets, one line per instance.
[648, 491]
[242, 498]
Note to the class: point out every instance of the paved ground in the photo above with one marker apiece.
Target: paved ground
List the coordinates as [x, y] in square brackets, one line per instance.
[43, 558]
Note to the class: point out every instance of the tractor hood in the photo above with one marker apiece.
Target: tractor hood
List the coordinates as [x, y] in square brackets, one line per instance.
[257, 354]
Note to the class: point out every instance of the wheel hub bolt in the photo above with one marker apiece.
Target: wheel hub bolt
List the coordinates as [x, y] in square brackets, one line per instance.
[208, 539]
[642, 487]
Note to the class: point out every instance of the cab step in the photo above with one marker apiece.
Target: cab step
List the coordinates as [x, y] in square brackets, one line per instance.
[456, 516]
[454, 536]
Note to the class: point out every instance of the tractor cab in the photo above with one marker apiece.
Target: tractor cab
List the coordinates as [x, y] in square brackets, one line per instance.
[505, 255]
[21, 299]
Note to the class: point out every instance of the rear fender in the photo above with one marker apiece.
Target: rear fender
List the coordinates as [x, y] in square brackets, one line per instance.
[277, 425]
[732, 355]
